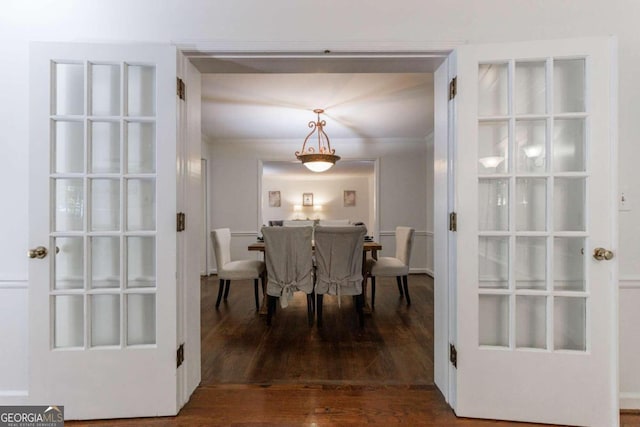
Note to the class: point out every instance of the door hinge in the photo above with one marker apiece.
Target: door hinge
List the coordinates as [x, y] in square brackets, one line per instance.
[181, 90]
[453, 88]
[453, 355]
[180, 355]
[453, 221]
[181, 221]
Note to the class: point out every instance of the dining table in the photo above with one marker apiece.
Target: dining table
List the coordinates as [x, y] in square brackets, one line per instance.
[369, 247]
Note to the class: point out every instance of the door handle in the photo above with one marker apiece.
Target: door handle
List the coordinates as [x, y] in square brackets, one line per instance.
[602, 254]
[39, 252]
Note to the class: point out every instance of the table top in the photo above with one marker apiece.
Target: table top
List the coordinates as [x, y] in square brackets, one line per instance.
[368, 246]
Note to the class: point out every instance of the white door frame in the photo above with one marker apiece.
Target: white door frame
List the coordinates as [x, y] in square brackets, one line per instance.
[442, 137]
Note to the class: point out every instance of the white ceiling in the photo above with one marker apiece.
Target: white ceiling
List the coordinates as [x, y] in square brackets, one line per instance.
[268, 106]
[266, 97]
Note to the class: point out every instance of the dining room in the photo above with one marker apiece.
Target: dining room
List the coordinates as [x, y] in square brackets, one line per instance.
[381, 125]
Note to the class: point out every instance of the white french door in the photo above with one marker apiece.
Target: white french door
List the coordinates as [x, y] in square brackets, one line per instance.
[103, 205]
[535, 178]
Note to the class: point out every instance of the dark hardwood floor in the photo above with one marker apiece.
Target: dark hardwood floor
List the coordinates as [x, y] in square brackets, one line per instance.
[293, 375]
[395, 347]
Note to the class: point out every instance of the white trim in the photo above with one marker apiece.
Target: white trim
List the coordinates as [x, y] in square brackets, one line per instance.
[629, 282]
[14, 393]
[244, 234]
[629, 400]
[420, 233]
[14, 284]
[306, 49]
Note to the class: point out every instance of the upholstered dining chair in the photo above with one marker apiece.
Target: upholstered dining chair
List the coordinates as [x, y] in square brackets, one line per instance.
[288, 258]
[338, 252]
[397, 266]
[234, 270]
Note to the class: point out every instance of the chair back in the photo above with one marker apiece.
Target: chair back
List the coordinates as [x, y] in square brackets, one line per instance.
[404, 243]
[339, 259]
[288, 257]
[221, 238]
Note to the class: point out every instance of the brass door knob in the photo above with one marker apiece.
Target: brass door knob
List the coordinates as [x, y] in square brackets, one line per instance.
[39, 252]
[602, 254]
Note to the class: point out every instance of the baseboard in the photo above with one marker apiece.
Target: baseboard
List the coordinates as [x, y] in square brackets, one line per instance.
[14, 393]
[629, 400]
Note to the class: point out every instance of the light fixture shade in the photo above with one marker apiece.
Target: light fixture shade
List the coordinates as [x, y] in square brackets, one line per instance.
[322, 159]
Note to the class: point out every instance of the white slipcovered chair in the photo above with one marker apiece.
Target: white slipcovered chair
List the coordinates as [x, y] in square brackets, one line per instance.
[397, 266]
[234, 270]
[288, 258]
[338, 252]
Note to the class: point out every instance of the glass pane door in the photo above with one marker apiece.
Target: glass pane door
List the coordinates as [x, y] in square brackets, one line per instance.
[532, 186]
[103, 214]
[534, 194]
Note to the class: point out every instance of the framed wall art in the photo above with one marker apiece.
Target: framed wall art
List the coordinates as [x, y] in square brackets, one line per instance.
[349, 198]
[307, 199]
[274, 199]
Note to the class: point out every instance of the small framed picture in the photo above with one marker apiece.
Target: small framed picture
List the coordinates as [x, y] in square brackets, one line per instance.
[274, 199]
[349, 198]
[307, 199]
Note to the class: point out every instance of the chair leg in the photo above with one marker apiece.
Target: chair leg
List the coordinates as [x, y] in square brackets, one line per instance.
[220, 289]
[373, 292]
[399, 285]
[271, 308]
[226, 289]
[255, 292]
[359, 305]
[406, 289]
[310, 309]
[319, 309]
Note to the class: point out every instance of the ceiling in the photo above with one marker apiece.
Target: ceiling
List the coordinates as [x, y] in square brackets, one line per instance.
[266, 97]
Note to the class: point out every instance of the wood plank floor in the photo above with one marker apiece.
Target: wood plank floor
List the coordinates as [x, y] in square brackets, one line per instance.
[395, 347]
[291, 375]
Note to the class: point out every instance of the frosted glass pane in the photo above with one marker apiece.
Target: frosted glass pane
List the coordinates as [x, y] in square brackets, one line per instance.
[493, 144]
[69, 263]
[141, 319]
[531, 204]
[105, 262]
[531, 263]
[141, 90]
[493, 262]
[531, 321]
[568, 266]
[530, 88]
[531, 138]
[568, 85]
[141, 262]
[492, 90]
[68, 327]
[569, 204]
[69, 89]
[105, 204]
[141, 204]
[105, 90]
[69, 147]
[105, 147]
[569, 145]
[141, 147]
[69, 205]
[494, 320]
[105, 320]
[493, 204]
[570, 323]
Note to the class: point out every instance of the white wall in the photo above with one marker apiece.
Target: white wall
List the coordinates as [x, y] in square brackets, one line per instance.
[252, 21]
[327, 199]
[234, 179]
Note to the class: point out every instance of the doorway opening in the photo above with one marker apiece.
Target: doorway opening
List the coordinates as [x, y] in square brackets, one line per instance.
[358, 65]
